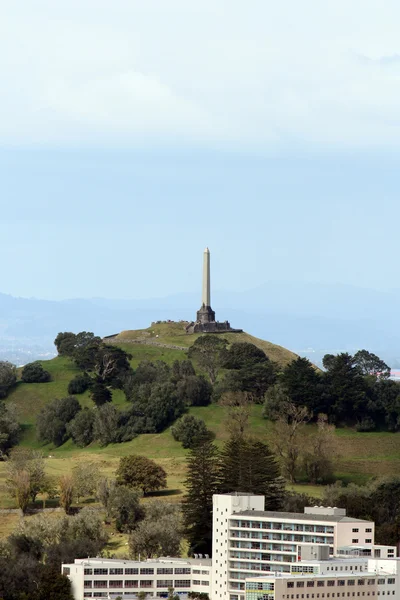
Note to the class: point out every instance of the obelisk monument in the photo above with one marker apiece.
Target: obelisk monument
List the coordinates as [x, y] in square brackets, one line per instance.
[205, 318]
[206, 299]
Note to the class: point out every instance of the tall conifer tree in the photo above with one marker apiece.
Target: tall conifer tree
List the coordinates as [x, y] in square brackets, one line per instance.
[201, 483]
[249, 466]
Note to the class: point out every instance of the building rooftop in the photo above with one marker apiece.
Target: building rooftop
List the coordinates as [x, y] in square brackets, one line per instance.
[266, 514]
[162, 560]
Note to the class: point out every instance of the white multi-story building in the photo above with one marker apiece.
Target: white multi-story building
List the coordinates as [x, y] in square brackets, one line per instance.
[330, 580]
[110, 578]
[247, 540]
[248, 543]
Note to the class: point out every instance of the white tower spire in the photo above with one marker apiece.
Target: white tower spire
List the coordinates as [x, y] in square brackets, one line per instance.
[206, 296]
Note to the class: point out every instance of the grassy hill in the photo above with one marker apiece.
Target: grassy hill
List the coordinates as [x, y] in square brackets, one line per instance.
[362, 455]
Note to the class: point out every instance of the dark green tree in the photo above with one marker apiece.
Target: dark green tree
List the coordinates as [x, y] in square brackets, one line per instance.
[182, 369]
[53, 419]
[10, 429]
[194, 391]
[35, 373]
[100, 393]
[106, 425]
[79, 384]
[81, 428]
[202, 481]
[190, 430]
[249, 465]
[140, 472]
[370, 364]
[302, 383]
[8, 377]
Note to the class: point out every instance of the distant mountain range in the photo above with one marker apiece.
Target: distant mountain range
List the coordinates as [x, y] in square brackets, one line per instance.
[310, 319]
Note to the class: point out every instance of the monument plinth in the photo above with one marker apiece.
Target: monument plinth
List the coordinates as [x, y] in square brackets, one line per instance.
[205, 318]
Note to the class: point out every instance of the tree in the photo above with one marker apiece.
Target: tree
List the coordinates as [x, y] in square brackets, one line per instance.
[370, 364]
[160, 533]
[275, 398]
[321, 452]
[85, 478]
[155, 406]
[243, 354]
[182, 369]
[287, 437]
[9, 428]
[8, 377]
[53, 419]
[250, 370]
[67, 492]
[35, 373]
[250, 465]
[345, 389]
[140, 472]
[100, 394]
[81, 428]
[302, 383]
[202, 481]
[238, 405]
[29, 461]
[52, 584]
[194, 391]
[190, 431]
[105, 490]
[79, 384]
[105, 427]
[112, 364]
[208, 351]
[123, 504]
[20, 485]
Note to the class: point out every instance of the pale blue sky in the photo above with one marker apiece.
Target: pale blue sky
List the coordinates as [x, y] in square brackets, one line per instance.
[133, 133]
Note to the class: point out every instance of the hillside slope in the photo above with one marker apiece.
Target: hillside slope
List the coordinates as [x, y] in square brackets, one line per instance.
[172, 336]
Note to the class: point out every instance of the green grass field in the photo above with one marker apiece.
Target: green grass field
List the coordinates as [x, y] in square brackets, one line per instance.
[362, 455]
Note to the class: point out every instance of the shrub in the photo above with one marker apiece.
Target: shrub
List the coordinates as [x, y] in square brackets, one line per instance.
[79, 384]
[100, 394]
[8, 377]
[35, 373]
[52, 420]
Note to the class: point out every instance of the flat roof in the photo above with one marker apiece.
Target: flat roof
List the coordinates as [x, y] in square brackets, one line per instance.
[266, 514]
[335, 575]
[206, 562]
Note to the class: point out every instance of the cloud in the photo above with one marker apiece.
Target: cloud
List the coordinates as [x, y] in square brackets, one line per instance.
[214, 72]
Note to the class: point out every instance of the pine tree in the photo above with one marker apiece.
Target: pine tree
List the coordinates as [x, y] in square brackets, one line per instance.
[201, 483]
[249, 466]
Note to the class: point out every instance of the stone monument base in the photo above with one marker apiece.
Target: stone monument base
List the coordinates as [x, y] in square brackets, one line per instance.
[211, 327]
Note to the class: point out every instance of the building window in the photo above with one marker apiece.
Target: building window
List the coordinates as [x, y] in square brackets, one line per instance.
[88, 572]
[331, 582]
[381, 582]
[165, 583]
[87, 584]
[66, 570]
[300, 584]
[131, 583]
[147, 571]
[368, 530]
[101, 571]
[341, 582]
[180, 583]
[310, 583]
[116, 584]
[116, 571]
[391, 581]
[351, 582]
[131, 571]
[371, 581]
[320, 583]
[361, 581]
[100, 584]
[170, 571]
[355, 530]
[354, 541]
[368, 541]
[182, 571]
[146, 583]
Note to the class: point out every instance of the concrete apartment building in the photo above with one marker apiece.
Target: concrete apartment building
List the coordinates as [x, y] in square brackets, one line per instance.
[248, 543]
